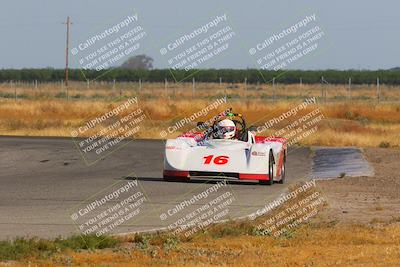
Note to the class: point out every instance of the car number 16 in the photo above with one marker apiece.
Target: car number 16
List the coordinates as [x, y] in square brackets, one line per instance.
[220, 160]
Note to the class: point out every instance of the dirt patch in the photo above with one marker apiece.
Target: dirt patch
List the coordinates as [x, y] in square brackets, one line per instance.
[366, 199]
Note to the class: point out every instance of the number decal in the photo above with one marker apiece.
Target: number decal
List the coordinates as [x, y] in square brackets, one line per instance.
[208, 159]
[220, 160]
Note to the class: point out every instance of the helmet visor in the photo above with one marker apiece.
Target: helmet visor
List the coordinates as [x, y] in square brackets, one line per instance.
[227, 129]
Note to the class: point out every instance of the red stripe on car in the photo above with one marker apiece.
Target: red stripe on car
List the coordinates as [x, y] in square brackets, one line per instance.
[176, 173]
[250, 176]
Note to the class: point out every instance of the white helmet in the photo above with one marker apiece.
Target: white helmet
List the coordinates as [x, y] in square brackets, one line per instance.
[226, 129]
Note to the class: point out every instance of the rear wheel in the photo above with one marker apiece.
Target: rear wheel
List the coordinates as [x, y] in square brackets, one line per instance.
[167, 178]
[270, 181]
[283, 170]
[175, 179]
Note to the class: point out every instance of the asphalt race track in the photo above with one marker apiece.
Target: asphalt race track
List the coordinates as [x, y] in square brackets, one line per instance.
[45, 180]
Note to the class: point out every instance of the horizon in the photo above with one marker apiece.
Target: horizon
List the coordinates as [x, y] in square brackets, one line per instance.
[347, 39]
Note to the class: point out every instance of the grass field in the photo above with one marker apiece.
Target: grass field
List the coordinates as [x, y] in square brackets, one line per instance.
[361, 121]
[267, 92]
[311, 245]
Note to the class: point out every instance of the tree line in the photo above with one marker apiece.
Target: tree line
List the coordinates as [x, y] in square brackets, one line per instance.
[206, 75]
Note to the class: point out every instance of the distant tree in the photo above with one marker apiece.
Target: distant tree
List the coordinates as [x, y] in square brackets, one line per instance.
[139, 62]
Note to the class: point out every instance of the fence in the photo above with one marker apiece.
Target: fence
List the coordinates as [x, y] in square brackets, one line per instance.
[271, 91]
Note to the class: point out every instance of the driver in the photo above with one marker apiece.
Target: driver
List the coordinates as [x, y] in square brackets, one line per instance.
[226, 129]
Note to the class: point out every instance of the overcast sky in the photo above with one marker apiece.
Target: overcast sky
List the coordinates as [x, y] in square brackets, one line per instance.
[358, 34]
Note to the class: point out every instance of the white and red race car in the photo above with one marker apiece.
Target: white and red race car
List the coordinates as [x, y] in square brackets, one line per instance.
[247, 157]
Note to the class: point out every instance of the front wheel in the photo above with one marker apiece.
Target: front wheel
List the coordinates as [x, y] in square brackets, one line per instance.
[270, 181]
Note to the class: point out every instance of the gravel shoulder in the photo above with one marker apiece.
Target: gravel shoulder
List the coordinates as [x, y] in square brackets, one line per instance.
[366, 199]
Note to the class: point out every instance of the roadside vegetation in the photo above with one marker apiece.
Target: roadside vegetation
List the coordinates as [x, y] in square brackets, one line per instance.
[313, 244]
[357, 121]
[204, 75]
[22, 248]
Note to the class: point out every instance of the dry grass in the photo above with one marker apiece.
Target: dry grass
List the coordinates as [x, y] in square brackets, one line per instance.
[319, 242]
[107, 90]
[345, 123]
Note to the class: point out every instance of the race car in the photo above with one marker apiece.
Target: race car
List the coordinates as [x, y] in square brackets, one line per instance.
[226, 149]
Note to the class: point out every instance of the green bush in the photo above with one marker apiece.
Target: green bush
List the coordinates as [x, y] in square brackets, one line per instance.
[384, 144]
[41, 248]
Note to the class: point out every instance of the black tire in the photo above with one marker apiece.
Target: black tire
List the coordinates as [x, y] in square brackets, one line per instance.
[167, 178]
[175, 179]
[270, 181]
[283, 172]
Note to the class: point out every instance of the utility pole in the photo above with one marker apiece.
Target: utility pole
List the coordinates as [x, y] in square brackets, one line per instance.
[193, 87]
[349, 88]
[378, 90]
[68, 23]
[245, 88]
[165, 85]
[273, 89]
[323, 89]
